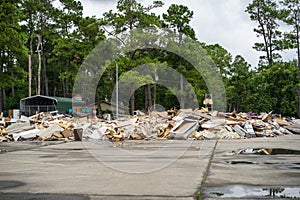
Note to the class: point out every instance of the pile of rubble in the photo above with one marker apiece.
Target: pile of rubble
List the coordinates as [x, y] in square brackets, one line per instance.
[42, 126]
[171, 124]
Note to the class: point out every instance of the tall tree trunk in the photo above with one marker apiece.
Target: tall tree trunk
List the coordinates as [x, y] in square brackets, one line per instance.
[54, 88]
[67, 79]
[132, 98]
[64, 88]
[298, 44]
[182, 103]
[35, 82]
[298, 93]
[149, 97]
[298, 58]
[264, 33]
[146, 98]
[46, 86]
[1, 93]
[12, 88]
[30, 65]
[154, 96]
[39, 50]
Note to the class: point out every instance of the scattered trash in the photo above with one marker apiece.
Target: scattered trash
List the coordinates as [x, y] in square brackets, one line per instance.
[78, 134]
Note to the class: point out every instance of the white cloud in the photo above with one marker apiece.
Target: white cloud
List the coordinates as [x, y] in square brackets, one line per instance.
[97, 7]
[215, 21]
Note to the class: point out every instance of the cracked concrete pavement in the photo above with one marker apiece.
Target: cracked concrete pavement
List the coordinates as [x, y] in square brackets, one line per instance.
[143, 169]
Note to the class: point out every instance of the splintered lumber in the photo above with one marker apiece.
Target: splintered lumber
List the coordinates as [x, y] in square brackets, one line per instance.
[228, 128]
[168, 130]
[172, 113]
[236, 119]
[198, 135]
[204, 110]
[173, 124]
[282, 122]
[164, 130]
[2, 131]
[67, 133]
[160, 132]
[203, 115]
[267, 117]
[55, 135]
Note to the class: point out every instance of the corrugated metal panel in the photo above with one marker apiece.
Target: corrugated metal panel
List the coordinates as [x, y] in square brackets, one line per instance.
[65, 104]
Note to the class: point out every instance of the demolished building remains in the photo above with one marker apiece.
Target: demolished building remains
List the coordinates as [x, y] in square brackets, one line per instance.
[172, 124]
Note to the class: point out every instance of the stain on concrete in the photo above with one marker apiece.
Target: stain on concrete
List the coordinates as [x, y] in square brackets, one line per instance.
[10, 184]
[25, 196]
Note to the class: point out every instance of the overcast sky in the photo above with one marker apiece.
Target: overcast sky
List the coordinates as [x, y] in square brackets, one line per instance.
[215, 21]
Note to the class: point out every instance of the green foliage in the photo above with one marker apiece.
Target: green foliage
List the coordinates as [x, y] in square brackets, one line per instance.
[239, 84]
[68, 39]
[281, 83]
[179, 17]
[221, 57]
[131, 14]
[266, 13]
[12, 48]
[290, 15]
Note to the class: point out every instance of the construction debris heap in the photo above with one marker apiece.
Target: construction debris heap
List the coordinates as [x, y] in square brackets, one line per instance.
[172, 124]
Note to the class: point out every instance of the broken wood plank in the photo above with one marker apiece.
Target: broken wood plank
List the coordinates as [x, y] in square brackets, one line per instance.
[267, 117]
[203, 115]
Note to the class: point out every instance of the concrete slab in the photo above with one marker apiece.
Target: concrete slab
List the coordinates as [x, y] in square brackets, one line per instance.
[230, 169]
[96, 169]
[143, 169]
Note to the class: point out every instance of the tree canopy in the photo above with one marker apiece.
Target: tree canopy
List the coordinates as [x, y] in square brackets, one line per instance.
[44, 44]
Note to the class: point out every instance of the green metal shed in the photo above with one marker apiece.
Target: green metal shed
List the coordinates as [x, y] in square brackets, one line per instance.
[65, 104]
[39, 103]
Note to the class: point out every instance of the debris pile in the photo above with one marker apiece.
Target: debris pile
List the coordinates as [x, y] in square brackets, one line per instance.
[42, 126]
[171, 124]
